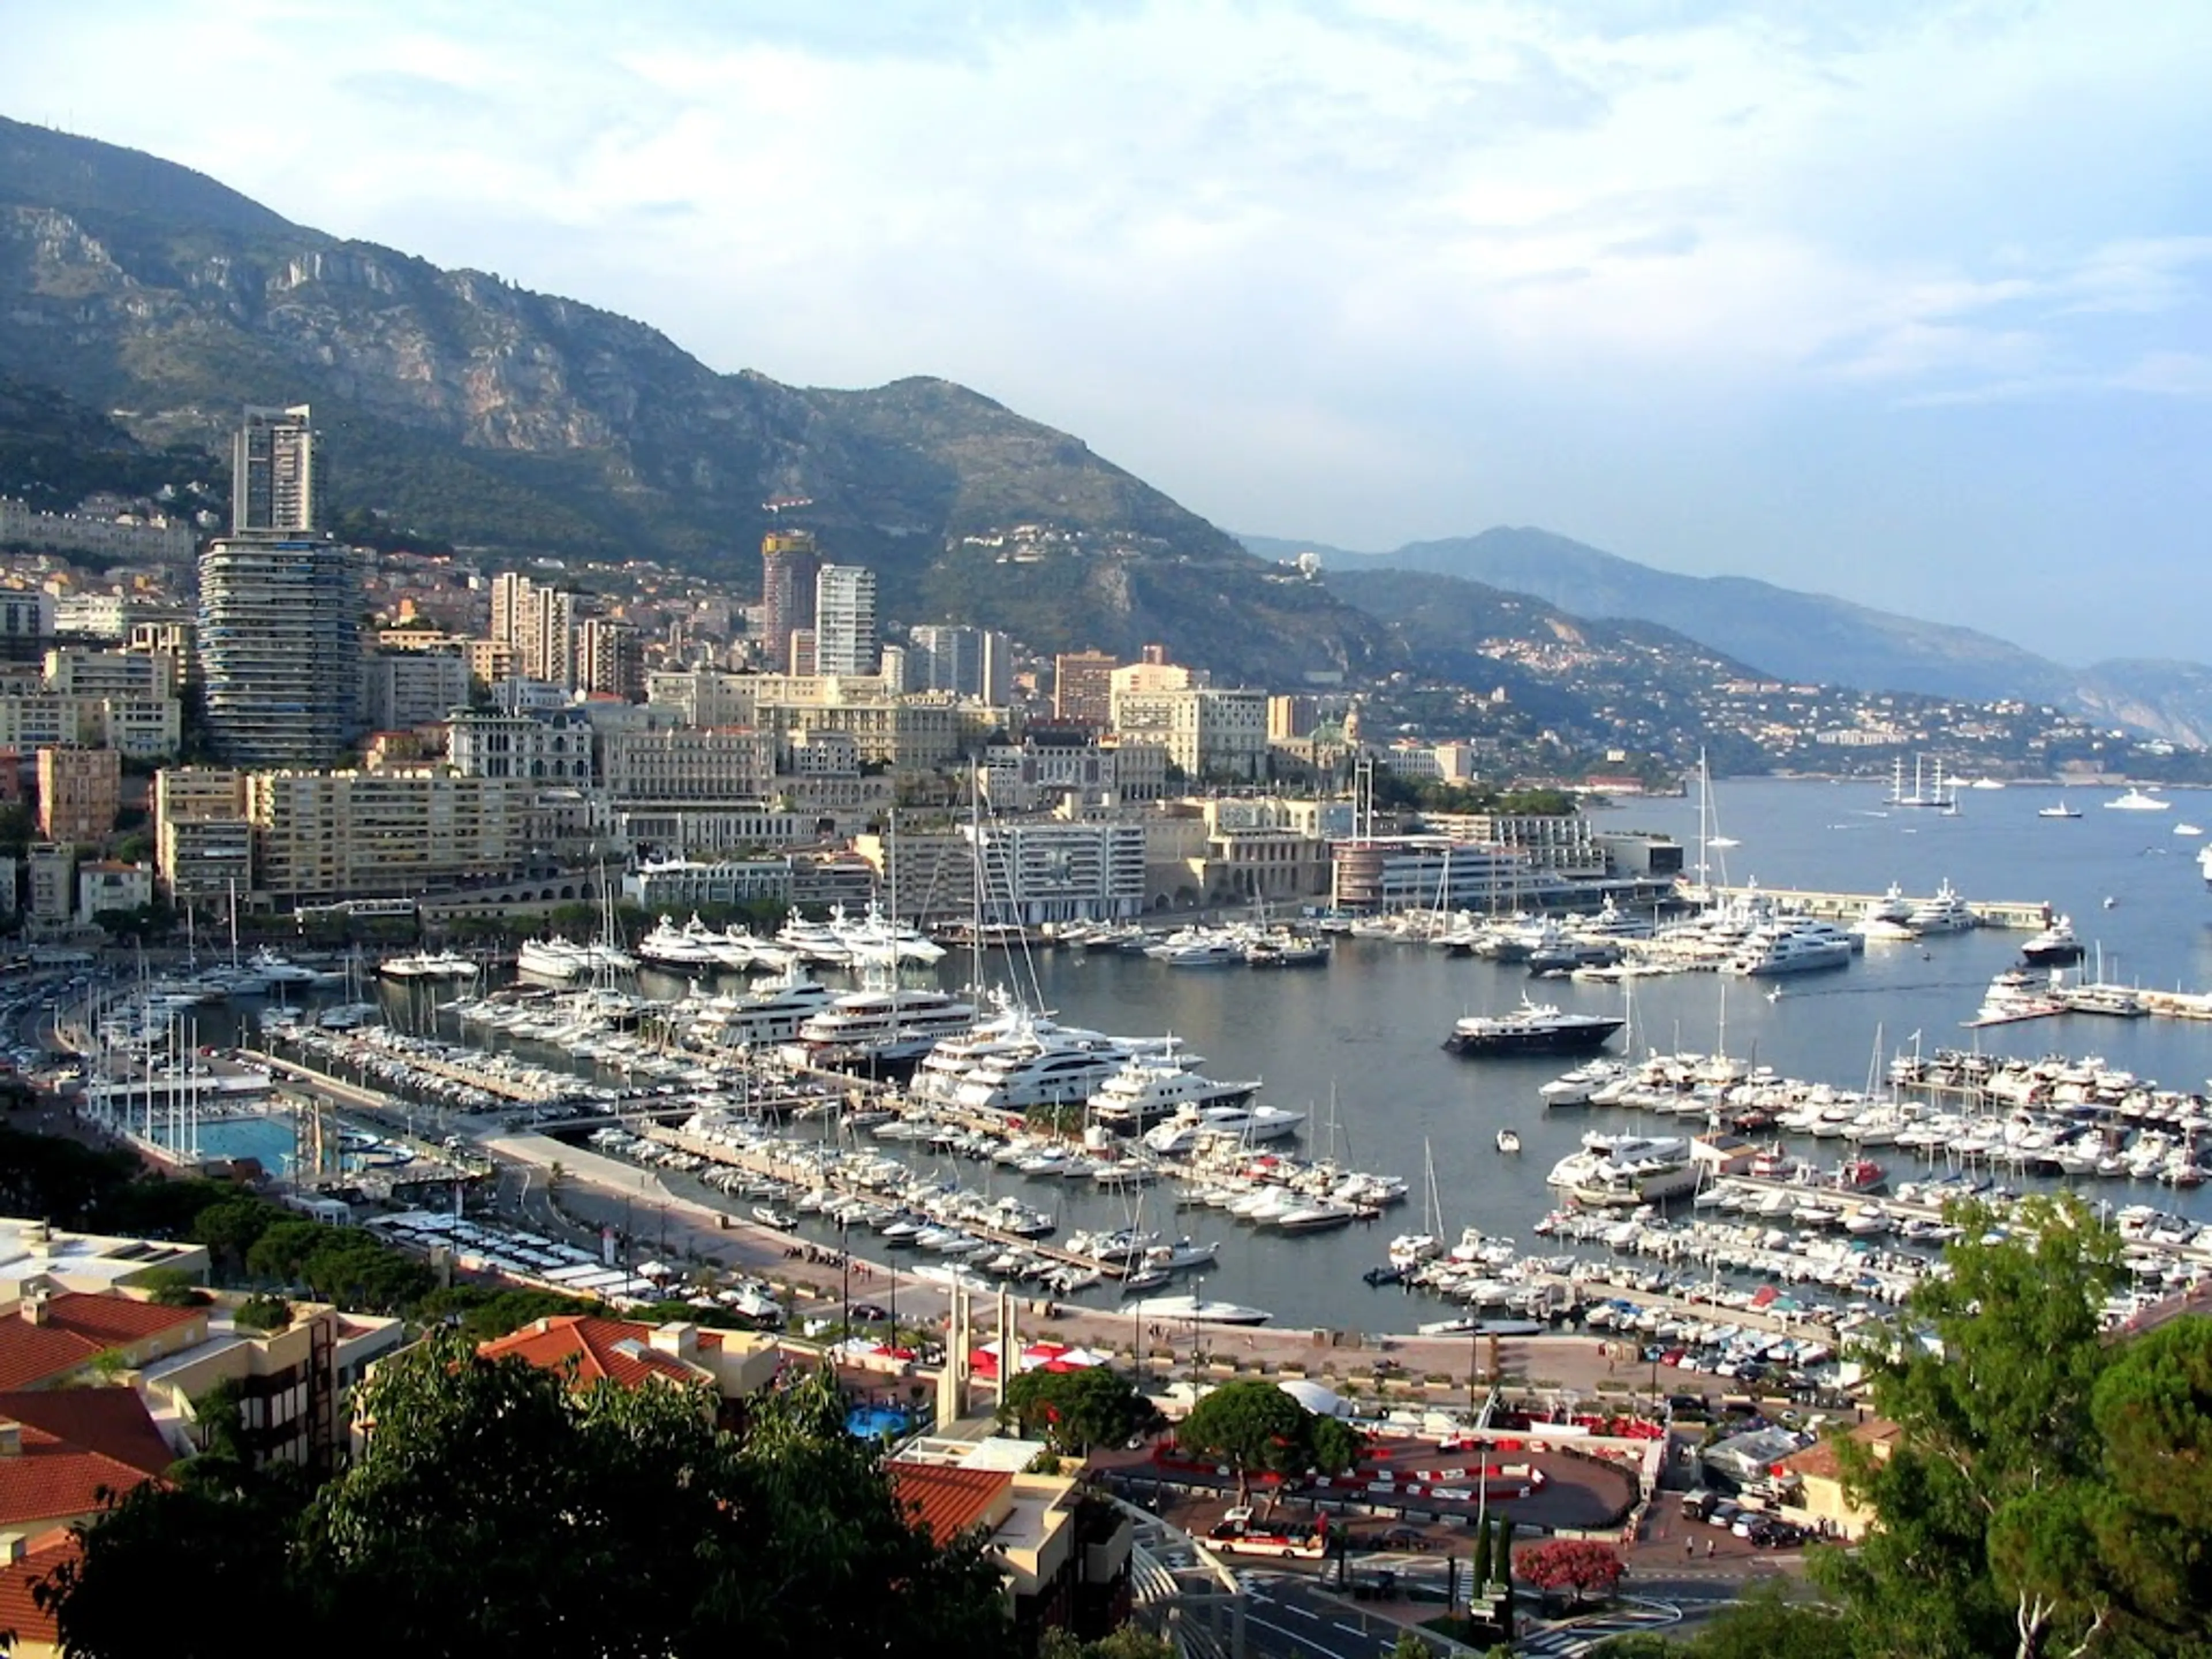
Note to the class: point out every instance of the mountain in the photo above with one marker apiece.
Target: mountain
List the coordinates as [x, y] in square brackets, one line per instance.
[1793, 635]
[1619, 683]
[470, 410]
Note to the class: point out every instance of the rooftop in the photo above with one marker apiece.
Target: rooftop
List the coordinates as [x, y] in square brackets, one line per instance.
[71, 1446]
[619, 1351]
[947, 1501]
[45, 1337]
[20, 1612]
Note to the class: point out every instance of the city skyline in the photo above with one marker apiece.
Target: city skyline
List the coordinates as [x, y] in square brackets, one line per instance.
[1907, 307]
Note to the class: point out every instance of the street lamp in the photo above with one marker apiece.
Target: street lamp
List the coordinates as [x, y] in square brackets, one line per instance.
[844, 1253]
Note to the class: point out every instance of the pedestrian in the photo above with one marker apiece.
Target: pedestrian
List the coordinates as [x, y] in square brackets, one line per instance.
[1689, 1548]
[1709, 1549]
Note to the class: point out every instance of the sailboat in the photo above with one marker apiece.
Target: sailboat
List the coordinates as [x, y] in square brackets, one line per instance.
[1936, 798]
[1410, 1249]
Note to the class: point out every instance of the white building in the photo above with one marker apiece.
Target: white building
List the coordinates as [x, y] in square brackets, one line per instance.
[1041, 872]
[845, 620]
[403, 689]
[1208, 731]
[554, 748]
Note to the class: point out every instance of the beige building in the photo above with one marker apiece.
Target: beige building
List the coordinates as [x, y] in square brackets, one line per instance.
[79, 793]
[203, 839]
[51, 867]
[1083, 689]
[706, 696]
[688, 763]
[109, 884]
[320, 836]
[74, 672]
[143, 728]
[1208, 731]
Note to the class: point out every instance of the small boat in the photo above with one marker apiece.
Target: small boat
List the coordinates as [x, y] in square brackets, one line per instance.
[1509, 1140]
[769, 1216]
[2135, 800]
[2061, 811]
[2187, 829]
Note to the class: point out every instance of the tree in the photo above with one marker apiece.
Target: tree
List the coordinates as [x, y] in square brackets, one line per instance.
[173, 1287]
[497, 1510]
[263, 1313]
[2152, 1525]
[1077, 1410]
[1985, 1543]
[1582, 1565]
[1256, 1428]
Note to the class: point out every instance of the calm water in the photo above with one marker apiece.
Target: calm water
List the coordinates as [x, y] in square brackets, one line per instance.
[1357, 1045]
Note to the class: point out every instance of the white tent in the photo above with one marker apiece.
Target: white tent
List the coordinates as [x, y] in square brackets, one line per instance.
[1321, 1400]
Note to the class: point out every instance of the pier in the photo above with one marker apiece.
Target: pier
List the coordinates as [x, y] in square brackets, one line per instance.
[2020, 915]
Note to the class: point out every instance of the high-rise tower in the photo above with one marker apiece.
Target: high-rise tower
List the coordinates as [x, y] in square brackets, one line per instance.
[279, 638]
[845, 620]
[274, 485]
[790, 562]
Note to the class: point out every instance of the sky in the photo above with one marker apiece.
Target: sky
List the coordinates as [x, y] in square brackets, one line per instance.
[1911, 303]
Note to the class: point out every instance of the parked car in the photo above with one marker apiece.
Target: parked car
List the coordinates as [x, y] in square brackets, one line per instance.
[1402, 1538]
[1724, 1515]
[1698, 1504]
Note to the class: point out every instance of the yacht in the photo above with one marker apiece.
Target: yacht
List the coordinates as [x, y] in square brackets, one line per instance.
[1196, 1310]
[274, 969]
[772, 1011]
[1531, 1029]
[891, 1023]
[1798, 945]
[2137, 800]
[1144, 1091]
[1619, 1171]
[2015, 996]
[438, 965]
[1182, 1133]
[1944, 913]
[815, 941]
[692, 945]
[1056, 1076]
[2056, 946]
[561, 958]
[2060, 811]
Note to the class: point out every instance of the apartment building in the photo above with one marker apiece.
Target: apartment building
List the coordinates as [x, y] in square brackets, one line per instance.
[964, 660]
[109, 884]
[280, 649]
[320, 836]
[1564, 843]
[131, 539]
[688, 763]
[1083, 689]
[403, 689]
[705, 696]
[80, 790]
[143, 728]
[1208, 731]
[845, 620]
[1042, 871]
[77, 671]
[551, 748]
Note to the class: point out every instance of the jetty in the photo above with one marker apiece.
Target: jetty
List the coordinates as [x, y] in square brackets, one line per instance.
[2018, 915]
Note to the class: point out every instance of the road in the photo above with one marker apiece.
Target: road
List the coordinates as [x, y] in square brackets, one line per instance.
[1287, 1617]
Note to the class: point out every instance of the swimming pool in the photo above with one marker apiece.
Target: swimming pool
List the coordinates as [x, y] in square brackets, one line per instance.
[876, 1422]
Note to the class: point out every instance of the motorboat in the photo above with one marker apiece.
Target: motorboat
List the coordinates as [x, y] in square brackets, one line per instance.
[1145, 1091]
[2015, 996]
[1796, 944]
[1247, 1124]
[2059, 811]
[1196, 1310]
[1509, 1140]
[1531, 1029]
[772, 1011]
[1944, 912]
[429, 965]
[2137, 800]
[1613, 1171]
[2056, 946]
[895, 1021]
[692, 945]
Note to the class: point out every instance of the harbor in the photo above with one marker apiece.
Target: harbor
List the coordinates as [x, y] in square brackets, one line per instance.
[1348, 1061]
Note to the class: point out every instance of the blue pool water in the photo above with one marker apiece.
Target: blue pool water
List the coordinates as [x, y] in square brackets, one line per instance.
[875, 1422]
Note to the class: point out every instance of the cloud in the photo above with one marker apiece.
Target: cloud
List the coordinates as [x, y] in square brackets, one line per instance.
[1465, 240]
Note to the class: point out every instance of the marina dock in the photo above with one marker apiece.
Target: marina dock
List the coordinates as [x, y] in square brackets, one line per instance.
[2018, 914]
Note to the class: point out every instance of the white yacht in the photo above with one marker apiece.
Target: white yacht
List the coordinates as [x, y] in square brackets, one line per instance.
[1056, 1076]
[2137, 800]
[1182, 1133]
[1619, 1171]
[890, 1023]
[772, 1011]
[692, 945]
[1943, 912]
[436, 965]
[1191, 1310]
[1146, 1090]
[877, 940]
[561, 958]
[1798, 945]
[274, 969]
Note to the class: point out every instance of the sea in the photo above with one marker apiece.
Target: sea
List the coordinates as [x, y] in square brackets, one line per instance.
[1357, 1046]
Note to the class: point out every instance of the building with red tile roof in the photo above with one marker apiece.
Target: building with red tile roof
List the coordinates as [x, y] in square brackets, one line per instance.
[62, 1451]
[1065, 1559]
[50, 1338]
[946, 1502]
[630, 1353]
[24, 1562]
